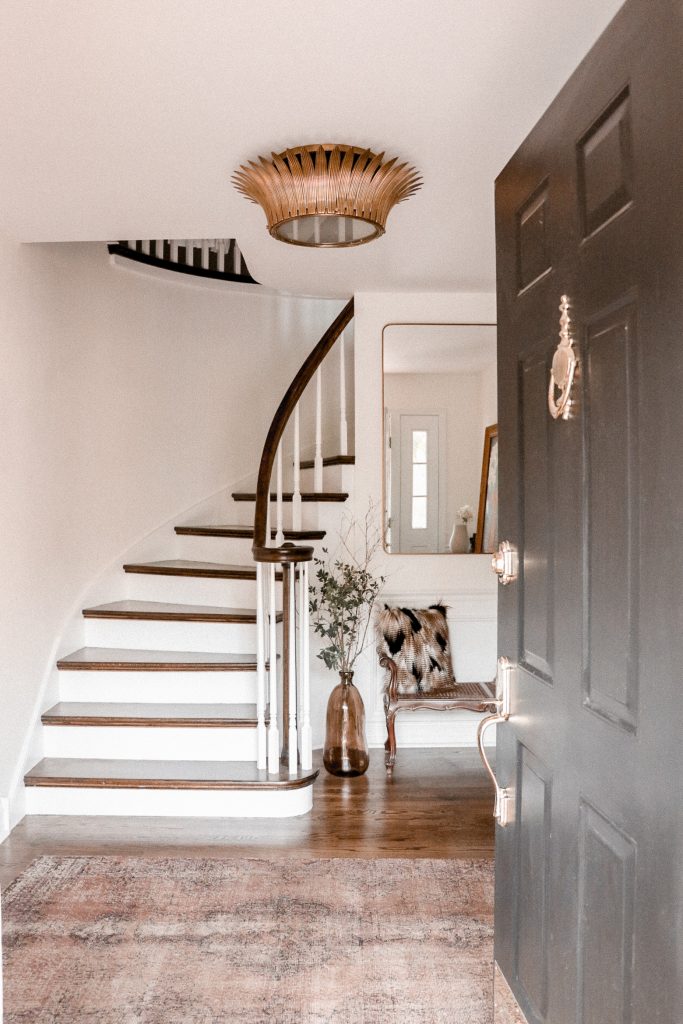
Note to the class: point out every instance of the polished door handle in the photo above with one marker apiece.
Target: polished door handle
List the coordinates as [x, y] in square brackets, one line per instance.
[503, 805]
[504, 563]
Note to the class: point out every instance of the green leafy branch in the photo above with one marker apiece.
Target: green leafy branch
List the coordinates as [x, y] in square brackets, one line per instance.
[344, 591]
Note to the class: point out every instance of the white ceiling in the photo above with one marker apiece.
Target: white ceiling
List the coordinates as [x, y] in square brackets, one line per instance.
[126, 118]
[439, 348]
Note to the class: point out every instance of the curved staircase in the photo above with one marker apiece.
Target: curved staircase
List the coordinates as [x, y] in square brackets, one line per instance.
[217, 258]
[191, 696]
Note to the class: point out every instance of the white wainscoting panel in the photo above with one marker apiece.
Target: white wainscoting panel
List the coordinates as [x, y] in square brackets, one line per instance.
[472, 625]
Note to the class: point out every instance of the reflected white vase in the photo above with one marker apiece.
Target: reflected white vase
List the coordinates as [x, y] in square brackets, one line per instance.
[459, 544]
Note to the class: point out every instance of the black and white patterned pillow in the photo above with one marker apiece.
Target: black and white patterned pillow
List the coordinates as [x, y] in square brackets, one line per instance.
[417, 640]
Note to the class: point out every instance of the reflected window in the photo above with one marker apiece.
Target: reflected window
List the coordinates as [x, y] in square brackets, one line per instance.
[419, 515]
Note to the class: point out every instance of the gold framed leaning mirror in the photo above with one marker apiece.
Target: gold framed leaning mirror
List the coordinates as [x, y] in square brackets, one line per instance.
[440, 404]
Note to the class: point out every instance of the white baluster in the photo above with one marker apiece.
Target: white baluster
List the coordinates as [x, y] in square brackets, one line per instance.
[221, 255]
[261, 738]
[236, 260]
[305, 732]
[279, 532]
[189, 252]
[145, 246]
[343, 426]
[318, 461]
[293, 743]
[273, 731]
[269, 542]
[205, 254]
[296, 495]
[174, 250]
[132, 244]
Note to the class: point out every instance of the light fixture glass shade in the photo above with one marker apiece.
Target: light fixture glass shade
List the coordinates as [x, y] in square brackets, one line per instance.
[327, 196]
[326, 229]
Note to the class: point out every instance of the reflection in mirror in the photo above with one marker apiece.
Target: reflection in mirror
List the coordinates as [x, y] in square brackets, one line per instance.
[439, 398]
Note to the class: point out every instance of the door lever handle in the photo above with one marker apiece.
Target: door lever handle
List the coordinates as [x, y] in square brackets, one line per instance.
[502, 808]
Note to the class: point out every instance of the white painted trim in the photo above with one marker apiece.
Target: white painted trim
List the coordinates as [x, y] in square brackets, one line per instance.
[467, 610]
[181, 803]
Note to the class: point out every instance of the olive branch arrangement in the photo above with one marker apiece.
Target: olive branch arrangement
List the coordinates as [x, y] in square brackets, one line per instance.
[344, 591]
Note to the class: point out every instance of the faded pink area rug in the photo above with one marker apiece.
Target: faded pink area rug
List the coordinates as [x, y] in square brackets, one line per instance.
[132, 940]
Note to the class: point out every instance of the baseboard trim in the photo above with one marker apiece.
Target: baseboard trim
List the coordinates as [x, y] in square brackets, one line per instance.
[429, 729]
[4, 818]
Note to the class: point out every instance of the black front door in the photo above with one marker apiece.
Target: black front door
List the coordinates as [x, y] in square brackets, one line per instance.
[589, 873]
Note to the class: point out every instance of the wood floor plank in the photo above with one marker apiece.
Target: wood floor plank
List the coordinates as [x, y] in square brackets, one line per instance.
[439, 803]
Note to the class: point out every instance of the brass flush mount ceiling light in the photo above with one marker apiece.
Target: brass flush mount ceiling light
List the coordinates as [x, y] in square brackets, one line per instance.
[327, 195]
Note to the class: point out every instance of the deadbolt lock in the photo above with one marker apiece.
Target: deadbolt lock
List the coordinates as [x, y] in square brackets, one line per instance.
[504, 563]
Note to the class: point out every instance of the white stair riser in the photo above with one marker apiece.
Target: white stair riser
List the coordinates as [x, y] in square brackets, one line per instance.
[226, 593]
[309, 512]
[153, 635]
[213, 549]
[159, 687]
[333, 478]
[180, 803]
[233, 550]
[149, 743]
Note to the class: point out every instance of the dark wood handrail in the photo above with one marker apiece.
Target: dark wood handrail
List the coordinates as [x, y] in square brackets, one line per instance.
[289, 552]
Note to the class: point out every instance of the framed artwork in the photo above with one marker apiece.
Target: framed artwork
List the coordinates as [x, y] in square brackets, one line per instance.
[487, 519]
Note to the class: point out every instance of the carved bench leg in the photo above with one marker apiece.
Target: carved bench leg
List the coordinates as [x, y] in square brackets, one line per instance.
[390, 745]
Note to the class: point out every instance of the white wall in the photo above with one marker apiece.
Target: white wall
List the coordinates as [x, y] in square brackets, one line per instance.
[125, 399]
[464, 582]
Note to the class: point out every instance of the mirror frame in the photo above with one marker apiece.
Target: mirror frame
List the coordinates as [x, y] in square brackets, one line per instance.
[416, 323]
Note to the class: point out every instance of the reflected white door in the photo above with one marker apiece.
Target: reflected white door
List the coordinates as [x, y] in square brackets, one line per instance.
[417, 461]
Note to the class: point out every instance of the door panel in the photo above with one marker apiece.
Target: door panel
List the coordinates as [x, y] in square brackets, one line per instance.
[536, 474]
[533, 823]
[589, 875]
[610, 416]
[605, 940]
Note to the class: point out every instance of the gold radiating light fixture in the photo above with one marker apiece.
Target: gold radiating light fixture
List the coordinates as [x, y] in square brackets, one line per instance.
[326, 195]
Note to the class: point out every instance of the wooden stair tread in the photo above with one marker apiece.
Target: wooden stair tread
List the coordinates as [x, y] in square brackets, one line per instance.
[121, 774]
[186, 567]
[167, 612]
[288, 495]
[114, 659]
[159, 715]
[330, 460]
[244, 532]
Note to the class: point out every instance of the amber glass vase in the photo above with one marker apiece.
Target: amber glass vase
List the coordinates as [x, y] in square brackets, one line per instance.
[346, 748]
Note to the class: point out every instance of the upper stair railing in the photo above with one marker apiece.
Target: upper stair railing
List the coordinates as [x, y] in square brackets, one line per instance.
[218, 258]
[294, 747]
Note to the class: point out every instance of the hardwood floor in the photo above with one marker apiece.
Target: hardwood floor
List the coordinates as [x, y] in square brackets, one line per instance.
[439, 804]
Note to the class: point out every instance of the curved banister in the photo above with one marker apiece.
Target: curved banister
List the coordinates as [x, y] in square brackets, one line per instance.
[288, 553]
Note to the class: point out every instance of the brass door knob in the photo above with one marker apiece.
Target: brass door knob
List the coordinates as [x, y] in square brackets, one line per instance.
[504, 563]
